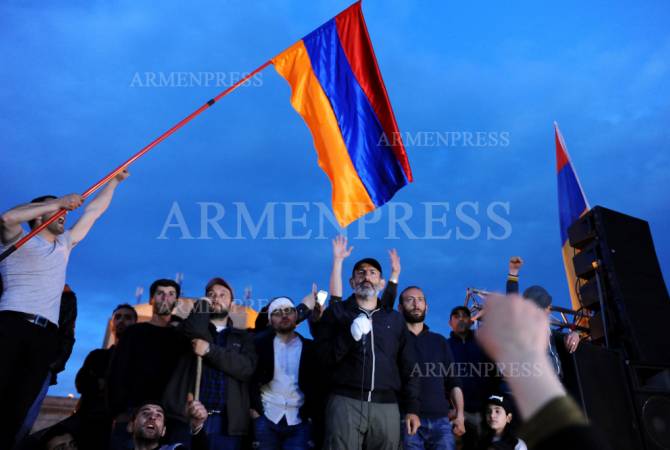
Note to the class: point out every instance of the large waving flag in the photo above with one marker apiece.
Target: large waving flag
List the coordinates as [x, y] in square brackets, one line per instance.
[572, 204]
[337, 88]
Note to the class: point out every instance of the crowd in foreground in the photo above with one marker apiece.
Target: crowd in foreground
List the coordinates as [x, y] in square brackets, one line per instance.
[372, 376]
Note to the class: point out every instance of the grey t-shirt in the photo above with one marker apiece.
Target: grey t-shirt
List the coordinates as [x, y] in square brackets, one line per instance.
[33, 277]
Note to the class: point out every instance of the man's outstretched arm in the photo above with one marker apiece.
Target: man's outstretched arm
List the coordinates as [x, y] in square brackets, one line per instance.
[512, 285]
[11, 220]
[96, 208]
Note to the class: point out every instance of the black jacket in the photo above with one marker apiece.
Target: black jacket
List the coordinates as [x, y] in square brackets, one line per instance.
[387, 354]
[387, 301]
[66, 319]
[90, 381]
[237, 360]
[480, 383]
[438, 373]
[141, 366]
[308, 378]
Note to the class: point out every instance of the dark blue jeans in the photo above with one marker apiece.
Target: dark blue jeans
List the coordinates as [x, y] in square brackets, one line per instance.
[433, 434]
[216, 437]
[281, 436]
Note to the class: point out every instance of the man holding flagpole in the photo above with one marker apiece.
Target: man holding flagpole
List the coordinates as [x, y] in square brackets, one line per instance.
[33, 279]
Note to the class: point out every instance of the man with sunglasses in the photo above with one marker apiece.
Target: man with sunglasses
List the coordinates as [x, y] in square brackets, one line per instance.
[284, 390]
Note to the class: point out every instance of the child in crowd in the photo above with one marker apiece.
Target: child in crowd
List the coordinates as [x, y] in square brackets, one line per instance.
[498, 432]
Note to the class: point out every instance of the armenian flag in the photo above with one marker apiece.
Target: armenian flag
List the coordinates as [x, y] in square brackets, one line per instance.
[337, 88]
[572, 204]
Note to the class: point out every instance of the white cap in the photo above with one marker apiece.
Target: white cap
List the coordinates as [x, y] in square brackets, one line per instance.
[280, 303]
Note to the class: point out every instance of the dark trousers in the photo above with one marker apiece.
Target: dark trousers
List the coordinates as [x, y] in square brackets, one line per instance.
[281, 436]
[31, 416]
[217, 438]
[94, 429]
[473, 431]
[26, 351]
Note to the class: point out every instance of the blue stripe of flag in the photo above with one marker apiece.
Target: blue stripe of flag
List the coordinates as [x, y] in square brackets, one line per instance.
[571, 202]
[375, 163]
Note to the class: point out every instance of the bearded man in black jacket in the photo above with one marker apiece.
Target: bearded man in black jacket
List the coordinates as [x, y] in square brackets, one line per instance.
[370, 355]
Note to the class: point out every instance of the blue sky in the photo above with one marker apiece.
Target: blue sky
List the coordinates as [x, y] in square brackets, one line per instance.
[71, 108]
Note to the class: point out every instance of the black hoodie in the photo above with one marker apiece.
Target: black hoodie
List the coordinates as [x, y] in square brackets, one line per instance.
[378, 368]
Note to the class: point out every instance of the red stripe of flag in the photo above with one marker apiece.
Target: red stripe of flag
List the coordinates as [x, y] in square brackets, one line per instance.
[561, 156]
[357, 47]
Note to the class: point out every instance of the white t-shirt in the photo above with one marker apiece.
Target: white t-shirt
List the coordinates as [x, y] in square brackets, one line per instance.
[33, 276]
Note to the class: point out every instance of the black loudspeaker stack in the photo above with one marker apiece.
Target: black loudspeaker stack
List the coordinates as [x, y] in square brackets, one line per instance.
[621, 378]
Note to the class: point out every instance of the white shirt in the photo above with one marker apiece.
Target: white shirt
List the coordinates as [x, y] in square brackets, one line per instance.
[282, 396]
[33, 277]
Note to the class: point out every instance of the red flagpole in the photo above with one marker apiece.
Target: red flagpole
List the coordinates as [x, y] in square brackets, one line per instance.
[12, 248]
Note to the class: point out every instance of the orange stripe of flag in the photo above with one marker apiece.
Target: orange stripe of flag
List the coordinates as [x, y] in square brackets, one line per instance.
[350, 199]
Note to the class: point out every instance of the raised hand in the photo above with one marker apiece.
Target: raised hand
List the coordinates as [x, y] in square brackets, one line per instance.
[395, 264]
[514, 330]
[340, 251]
[309, 300]
[515, 263]
[122, 175]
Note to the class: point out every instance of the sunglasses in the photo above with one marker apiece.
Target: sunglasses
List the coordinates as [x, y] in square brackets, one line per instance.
[283, 312]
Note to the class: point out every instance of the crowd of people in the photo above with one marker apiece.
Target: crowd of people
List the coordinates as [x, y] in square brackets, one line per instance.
[372, 375]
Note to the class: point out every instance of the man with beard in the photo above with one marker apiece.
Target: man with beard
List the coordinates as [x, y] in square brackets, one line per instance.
[284, 393]
[228, 362]
[94, 420]
[144, 360]
[32, 279]
[438, 383]
[147, 426]
[370, 355]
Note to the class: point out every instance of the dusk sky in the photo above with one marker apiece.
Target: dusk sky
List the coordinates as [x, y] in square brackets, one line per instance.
[86, 85]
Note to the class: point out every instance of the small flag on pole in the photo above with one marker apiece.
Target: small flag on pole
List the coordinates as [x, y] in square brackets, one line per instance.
[338, 90]
[572, 204]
